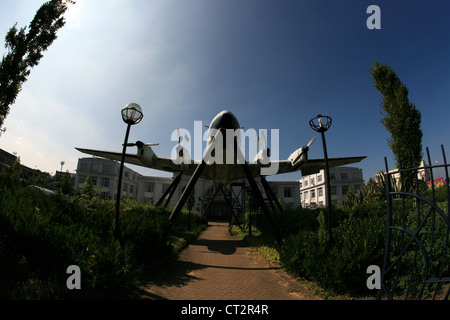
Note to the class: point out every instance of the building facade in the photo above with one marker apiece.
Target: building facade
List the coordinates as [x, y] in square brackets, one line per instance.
[104, 176]
[342, 179]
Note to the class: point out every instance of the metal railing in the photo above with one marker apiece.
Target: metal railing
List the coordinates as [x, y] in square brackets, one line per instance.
[417, 258]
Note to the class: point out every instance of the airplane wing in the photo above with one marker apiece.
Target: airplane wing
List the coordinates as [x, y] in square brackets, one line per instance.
[165, 164]
[129, 158]
[312, 166]
[223, 173]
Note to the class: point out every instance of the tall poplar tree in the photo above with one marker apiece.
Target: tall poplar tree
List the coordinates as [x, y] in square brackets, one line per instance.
[24, 50]
[401, 118]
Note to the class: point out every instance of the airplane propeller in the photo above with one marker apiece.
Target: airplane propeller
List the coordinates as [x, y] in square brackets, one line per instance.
[301, 153]
[263, 141]
[140, 144]
[306, 148]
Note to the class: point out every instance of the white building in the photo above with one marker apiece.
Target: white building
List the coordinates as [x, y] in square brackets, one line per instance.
[422, 174]
[104, 175]
[342, 179]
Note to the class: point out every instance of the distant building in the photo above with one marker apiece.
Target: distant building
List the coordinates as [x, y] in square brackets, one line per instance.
[7, 160]
[422, 174]
[342, 179]
[104, 176]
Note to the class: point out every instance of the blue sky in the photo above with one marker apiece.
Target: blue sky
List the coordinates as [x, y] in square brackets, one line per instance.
[274, 64]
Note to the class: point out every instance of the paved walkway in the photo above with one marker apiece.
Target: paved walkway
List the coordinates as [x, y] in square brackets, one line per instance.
[218, 266]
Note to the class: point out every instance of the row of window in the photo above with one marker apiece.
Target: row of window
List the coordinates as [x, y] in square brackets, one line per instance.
[343, 175]
[129, 188]
[311, 194]
[104, 182]
[150, 187]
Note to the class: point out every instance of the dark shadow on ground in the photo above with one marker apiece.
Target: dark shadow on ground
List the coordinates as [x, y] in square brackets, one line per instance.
[226, 247]
[179, 273]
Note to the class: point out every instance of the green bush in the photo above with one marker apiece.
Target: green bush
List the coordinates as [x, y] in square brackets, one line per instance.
[40, 236]
[358, 241]
[358, 234]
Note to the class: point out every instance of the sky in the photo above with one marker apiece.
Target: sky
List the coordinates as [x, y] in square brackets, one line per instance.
[274, 64]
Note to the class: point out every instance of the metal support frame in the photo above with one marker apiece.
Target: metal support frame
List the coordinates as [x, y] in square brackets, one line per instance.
[210, 202]
[194, 178]
[170, 190]
[186, 192]
[270, 195]
[236, 203]
[262, 203]
[230, 204]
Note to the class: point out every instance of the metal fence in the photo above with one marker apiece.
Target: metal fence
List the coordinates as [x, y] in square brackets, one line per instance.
[417, 258]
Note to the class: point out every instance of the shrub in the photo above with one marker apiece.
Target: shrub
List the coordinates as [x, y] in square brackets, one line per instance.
[40, 236]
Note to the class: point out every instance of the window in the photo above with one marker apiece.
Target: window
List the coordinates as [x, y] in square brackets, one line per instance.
[312, 181]
[344, 176]
[306, 195]
[320, 192]
[287, 192]
[306, 183]
[95, 166]
[319, 178]
[125, 187]
[313, 194]
[84, 166]
[165, 186]
[127, 174]
[332, 176]
[105, 182]
[131, 188]
[107, 167]
[147, 199]
[149, 186]
[344, 190]
[82, 179]
[93, 181]
[333, 190]
[104, 195]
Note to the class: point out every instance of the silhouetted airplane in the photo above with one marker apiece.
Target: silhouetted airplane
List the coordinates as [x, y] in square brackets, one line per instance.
[224, 172]
[222, 163]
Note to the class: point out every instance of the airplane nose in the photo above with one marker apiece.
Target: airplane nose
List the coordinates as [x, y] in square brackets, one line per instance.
[228, 121]
[139, 144]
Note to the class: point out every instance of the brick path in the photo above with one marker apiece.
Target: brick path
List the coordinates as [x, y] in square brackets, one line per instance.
[218, 266]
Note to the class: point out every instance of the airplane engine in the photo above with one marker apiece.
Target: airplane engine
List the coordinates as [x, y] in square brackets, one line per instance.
[301, 154]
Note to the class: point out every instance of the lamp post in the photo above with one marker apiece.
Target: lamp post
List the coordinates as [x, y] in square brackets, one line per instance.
[131, 114]
[321, 124]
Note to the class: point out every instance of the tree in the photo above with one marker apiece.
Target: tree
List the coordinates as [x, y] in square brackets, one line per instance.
[89, 189]
[24, 50]
[65, 184]
[16, 168]
[400, 117]
[190, 202]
